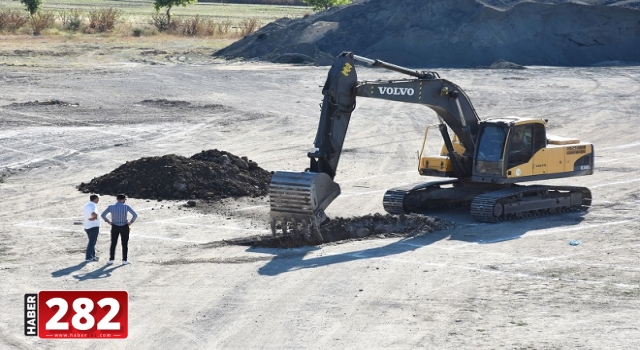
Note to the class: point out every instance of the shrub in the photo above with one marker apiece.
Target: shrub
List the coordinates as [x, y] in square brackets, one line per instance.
[72, 20]
[175, 25]
[11, 20]
[137, 32]
[197, 26]
[41, 20]
[209, 28]
[248, 26]
[103, 20]
[223, 27]
[320, 5]
[159, 21]
[193, 26]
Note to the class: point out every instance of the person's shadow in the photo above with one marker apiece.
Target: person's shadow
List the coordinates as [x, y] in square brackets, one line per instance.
[101, 272]
[68, 270]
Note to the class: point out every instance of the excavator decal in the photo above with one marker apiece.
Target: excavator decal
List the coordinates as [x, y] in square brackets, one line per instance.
[388, 90]
[346, 69]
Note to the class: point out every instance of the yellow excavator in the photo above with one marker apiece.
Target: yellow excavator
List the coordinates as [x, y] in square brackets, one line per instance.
[482, 160]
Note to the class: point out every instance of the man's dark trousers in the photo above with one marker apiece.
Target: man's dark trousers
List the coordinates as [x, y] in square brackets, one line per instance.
[115, 232]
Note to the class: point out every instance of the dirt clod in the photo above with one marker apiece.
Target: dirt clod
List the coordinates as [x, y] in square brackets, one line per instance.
[356, 228]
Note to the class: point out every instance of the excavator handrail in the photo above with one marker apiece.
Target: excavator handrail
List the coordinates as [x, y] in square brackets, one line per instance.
[424, 141]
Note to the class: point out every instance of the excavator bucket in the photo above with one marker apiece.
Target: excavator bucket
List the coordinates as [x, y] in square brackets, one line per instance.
[298, 201]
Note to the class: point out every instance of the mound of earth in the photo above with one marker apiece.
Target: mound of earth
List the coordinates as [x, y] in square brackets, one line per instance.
[206, 175]
[502, 64]
[453, 33]
[363, 227]
[43, 103]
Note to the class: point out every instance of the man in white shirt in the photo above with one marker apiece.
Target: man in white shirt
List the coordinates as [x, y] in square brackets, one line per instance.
[91, 226]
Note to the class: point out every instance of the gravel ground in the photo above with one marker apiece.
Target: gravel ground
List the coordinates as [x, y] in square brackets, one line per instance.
[197, 281]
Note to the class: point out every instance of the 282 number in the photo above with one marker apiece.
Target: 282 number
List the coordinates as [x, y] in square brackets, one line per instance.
[83, 308]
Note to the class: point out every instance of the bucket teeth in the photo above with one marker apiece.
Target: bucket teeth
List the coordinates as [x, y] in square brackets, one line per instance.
[295, 227]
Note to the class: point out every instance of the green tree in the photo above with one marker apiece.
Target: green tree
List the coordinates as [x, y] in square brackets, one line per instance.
[320, 5]
[32, 5]
[158, 4]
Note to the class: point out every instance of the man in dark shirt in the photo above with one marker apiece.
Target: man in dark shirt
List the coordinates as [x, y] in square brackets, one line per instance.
[119, 226]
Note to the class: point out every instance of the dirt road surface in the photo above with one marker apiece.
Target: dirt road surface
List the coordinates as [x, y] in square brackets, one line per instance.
[512, 285]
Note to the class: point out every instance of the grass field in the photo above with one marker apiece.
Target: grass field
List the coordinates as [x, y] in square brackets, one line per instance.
[141, 10]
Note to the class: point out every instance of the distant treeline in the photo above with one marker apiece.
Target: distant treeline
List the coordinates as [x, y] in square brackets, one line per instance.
[260, 2]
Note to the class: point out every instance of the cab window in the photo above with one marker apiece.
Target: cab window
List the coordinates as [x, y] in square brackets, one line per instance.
[490, 149]
[525, 141]
[520, 145]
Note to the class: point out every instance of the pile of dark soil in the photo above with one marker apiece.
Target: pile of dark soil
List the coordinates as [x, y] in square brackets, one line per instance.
[453, 33]
[207, 175]
[358, 228]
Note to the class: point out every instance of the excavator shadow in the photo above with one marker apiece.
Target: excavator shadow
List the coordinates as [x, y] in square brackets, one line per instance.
[466, 230]
[505, 231]
[293, 260]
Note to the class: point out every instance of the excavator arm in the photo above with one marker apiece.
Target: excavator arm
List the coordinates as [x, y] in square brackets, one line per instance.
[298, 200]
[338, 103]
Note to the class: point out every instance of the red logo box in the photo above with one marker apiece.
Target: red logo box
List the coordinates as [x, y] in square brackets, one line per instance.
[83, 314]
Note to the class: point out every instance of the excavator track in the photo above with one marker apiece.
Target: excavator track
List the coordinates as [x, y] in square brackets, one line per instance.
[418, 197]
[519, 202]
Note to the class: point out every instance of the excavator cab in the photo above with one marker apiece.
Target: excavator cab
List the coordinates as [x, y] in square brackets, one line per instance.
[517, 138]
[513, 149]
[507, 143]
